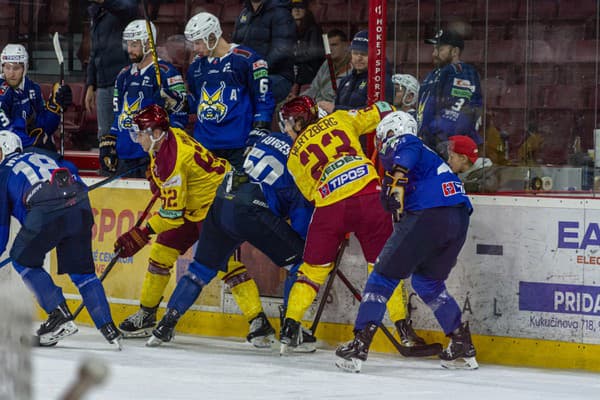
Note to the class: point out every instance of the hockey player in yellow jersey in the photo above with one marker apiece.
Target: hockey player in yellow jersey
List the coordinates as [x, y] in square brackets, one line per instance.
[332, 171]
[187, 176]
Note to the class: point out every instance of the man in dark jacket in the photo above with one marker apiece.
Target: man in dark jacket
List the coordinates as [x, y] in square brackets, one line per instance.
[267, 27]
[107, 58]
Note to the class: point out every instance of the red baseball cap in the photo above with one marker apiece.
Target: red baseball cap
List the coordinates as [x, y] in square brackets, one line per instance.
[461, 144]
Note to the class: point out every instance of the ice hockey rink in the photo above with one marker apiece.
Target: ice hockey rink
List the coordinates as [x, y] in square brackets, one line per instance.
[217, 368]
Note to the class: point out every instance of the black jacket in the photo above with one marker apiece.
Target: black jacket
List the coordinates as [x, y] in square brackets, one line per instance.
[271, 32]
[107, 55]
[352, 90]
[308, 53]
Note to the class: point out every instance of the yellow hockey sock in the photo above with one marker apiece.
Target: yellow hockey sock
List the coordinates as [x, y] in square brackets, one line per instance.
[305, 289]
[153, 287]
[244, 289]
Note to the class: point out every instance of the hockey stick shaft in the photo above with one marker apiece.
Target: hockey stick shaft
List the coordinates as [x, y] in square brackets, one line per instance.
[116, 176]
[8, 260]
[61, 63]
[116, 257]
[329, 62]
[151, 43]
[414, 351]
[329, 285]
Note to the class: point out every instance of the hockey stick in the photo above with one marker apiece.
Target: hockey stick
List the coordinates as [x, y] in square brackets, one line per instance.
[321, 307]
[5, 261]
[92, 372]
[116, 176]
[329, 62]
[151, 43]
[425, 350]
[114, 260]
[61, 63]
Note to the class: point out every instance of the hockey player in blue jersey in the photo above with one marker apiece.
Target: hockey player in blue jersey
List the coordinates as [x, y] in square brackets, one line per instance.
[22, 106]
[229, 90]
[255, 211]
[45, 194]
[450, 100]
[136, 87]
[431, 213]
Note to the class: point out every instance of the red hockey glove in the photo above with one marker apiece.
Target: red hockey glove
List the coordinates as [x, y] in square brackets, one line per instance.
[131, 242]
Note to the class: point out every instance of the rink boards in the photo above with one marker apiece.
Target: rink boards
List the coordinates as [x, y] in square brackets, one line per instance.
[528, 280]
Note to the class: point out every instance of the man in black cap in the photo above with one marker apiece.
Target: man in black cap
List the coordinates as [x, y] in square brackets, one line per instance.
[450, 100]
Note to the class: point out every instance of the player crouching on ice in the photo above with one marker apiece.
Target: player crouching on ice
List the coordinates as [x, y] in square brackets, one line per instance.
[431, 217]
[45, 194]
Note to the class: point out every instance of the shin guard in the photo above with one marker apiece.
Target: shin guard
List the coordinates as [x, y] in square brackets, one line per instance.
[375, 297]
[305, 289]
[48, 295]
[94, 297]
[444, 307]
[155, 281]
[244, 291]
[189, 287]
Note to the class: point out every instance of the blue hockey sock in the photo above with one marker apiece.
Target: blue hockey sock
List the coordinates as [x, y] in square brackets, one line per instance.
[94, 297]
[444, 307]
[375, 297]
[48, 295]
[189, 286]
[289, 282]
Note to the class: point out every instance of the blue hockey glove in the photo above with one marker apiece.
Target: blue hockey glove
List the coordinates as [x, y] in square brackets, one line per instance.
[392, 194]
[256, 135]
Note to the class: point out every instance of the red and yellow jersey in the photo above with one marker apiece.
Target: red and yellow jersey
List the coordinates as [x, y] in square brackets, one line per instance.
[187, 175]
[327, 161]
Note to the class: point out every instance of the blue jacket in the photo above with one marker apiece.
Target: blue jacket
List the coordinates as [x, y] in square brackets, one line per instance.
[107, 56]
[352, 90]
[271, 32]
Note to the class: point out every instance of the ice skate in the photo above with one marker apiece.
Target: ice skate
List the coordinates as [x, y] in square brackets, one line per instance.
[351, 354]
[58, 326]
[290, 336]
[261, 334]
[165, 329]
[139, 324]
[460, 353]
[112, 334]
[309, 341]
[408, 337]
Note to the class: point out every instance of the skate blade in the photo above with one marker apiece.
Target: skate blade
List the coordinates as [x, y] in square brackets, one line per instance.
[263, 342]
[305, 348]
[51, 338]
[153, 342]
[139, 334]
[283, 349]
[461, 363]
[116, 343]
[352, 365]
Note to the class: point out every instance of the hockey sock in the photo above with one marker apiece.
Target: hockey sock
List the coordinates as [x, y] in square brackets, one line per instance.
[244, 291]
[289, 282]
[48, 295]
[375, 297]
[396, 305]
[444, 307]
[305, 289]
[94, 297]
[155, 281]
[189, 286]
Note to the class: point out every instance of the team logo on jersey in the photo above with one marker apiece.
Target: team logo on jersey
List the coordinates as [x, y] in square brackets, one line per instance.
[126, 116]
[211, 106]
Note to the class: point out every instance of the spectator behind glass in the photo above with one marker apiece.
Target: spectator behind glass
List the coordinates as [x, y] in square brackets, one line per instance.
[320, 88]
[308, 53]
[352, 90]
[477, 173]
[450, 98]
[267, 27]
[107, 58]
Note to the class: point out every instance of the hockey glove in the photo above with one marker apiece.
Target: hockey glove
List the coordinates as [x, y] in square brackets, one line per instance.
[108, 153]
[170, 102]
[60, 98]
[392, 194]
[41, 139]
[129, 243]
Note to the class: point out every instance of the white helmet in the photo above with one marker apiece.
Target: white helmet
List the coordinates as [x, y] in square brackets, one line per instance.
[201, 26]
[410, 85]
[399, 123]
[9, 143]
[136, 30]
[15, 53]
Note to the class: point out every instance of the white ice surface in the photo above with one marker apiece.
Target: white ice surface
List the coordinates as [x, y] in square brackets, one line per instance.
[210, 368]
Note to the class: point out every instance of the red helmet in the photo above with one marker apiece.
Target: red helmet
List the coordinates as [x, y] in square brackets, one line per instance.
[153, 116]
[300, 108]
